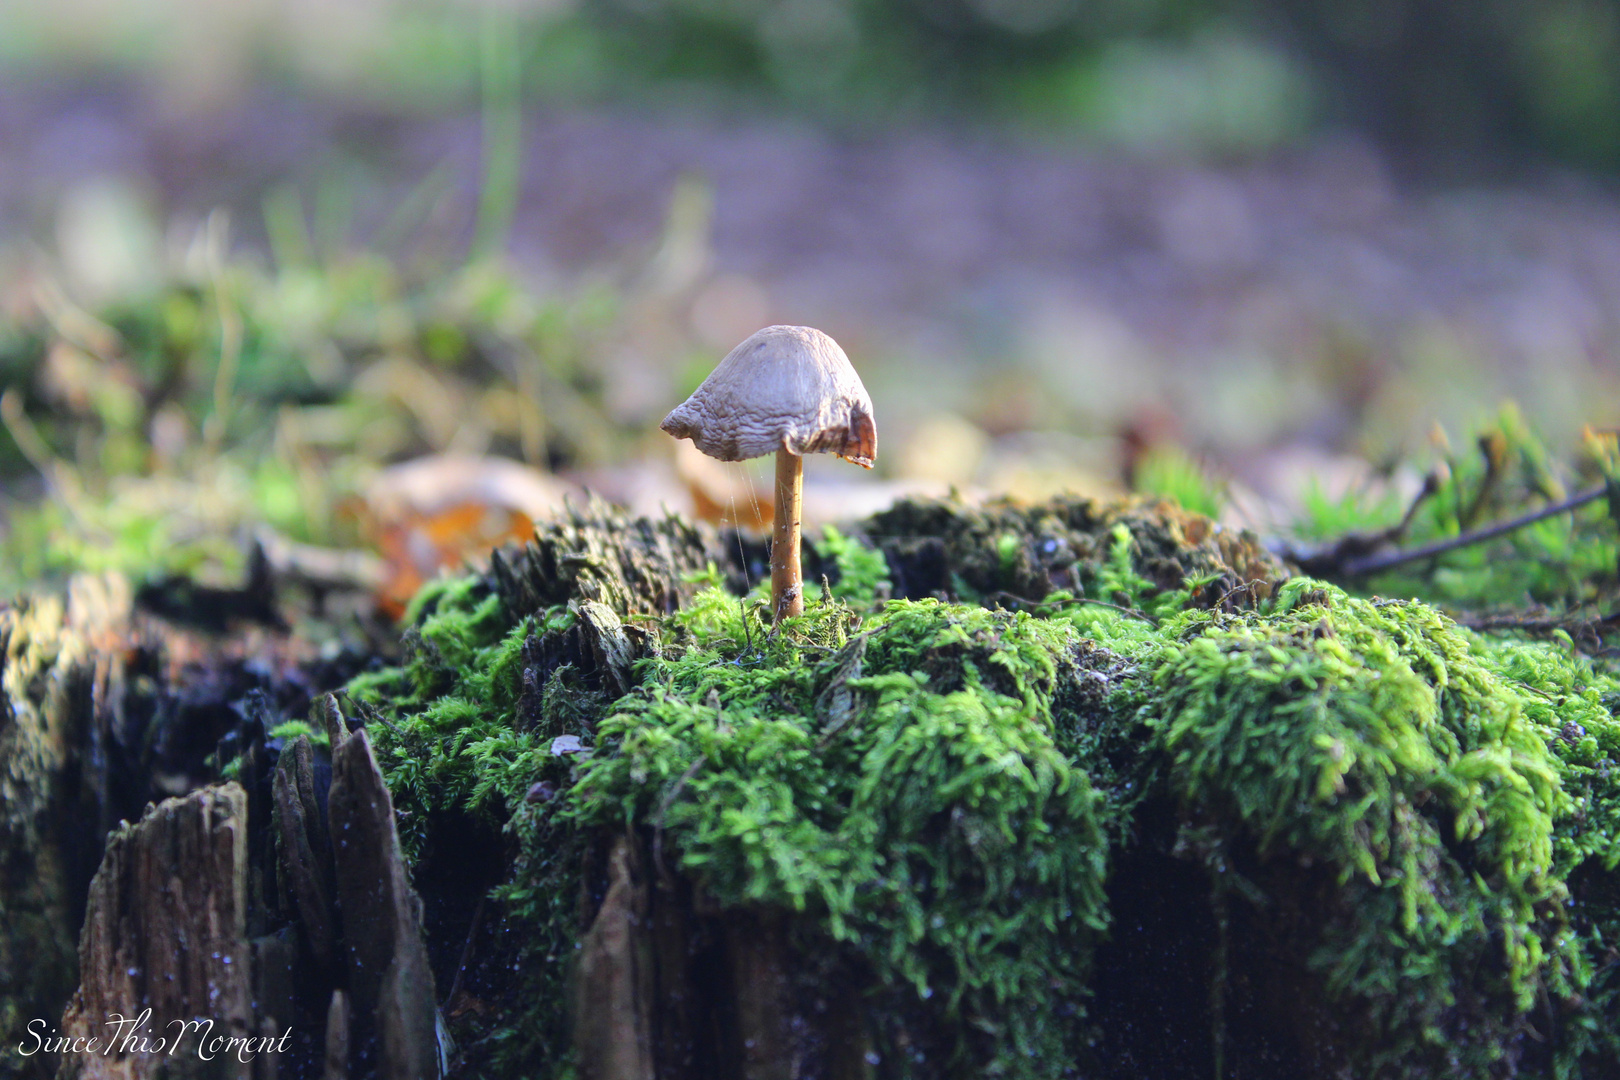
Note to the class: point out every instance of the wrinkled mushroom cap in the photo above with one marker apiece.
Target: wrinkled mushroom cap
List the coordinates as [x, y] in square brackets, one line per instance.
[784, 388]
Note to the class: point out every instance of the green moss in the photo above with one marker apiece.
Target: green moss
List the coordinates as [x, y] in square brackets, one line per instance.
[863, 574]
[292, 729]
[1170, 473]
[1376, 740]
[900, 781]
[1012, 555]
[1571, 703]
[1565, 563]
[453, 739]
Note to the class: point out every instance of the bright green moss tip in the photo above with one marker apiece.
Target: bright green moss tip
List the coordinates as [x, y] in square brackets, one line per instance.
[863, 574]
[292, 729]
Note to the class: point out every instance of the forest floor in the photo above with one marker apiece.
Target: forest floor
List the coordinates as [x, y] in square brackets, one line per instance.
[1311, 297]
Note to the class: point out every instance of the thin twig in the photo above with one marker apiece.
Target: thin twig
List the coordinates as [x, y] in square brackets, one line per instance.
[1330, 562]
[1538, 624]
[1132, 612]
[1373, 564]
[1246, 587]
[466, 951]
[1493, 448]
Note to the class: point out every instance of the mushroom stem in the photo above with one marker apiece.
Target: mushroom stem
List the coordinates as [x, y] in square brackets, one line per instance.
[787, 581]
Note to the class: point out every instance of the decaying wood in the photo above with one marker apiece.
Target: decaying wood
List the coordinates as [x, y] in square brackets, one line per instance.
[612, 1022]
[104, 708]
[389, 980]
[632, 565]
[670, 986]
[170, 908]
[61, 672]
[337, 1037]
[275, 984]
[165, 930]
[667, 987]
[305, 848]
[608, 644]
[756, 945]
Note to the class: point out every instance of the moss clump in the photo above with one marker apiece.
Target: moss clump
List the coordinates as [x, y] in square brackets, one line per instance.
[900, 781]
[1571, 705]
[863, 574]
[1006, 554]
[1375, 742]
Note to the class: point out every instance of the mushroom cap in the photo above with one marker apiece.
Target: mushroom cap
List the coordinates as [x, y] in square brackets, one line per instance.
[784, 388]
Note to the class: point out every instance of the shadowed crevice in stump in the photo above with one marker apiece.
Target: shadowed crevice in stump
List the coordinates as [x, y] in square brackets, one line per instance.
[612, 1026]
[305, 848]
[669, 985]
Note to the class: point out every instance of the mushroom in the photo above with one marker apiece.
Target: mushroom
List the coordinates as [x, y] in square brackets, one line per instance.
[788, 390]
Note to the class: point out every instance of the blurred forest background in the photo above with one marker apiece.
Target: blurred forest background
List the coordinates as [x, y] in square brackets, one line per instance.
[350, 287]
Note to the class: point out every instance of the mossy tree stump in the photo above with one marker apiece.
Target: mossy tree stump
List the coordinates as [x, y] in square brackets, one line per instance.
[1100, 792]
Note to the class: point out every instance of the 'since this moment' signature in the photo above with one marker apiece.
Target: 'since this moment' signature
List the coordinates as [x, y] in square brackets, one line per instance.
[133, 1035]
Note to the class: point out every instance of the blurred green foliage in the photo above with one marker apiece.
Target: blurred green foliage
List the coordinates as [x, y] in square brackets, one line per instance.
[1448, 83]
[1170, 472]
[1453, 84]
[167, 428]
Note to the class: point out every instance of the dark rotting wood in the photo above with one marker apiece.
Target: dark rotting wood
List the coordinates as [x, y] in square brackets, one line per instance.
[337, 1037]
[756, 946]
[389, 978]
[165, 930]
[305, 850]
[612, 1021]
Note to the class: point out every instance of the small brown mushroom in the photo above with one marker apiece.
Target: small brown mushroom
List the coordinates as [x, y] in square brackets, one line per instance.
[788, 390]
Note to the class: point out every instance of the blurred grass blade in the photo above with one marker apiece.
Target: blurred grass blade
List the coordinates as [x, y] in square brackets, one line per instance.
[502, 134]
[414, 209]
[230, 329]
[286, 228]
